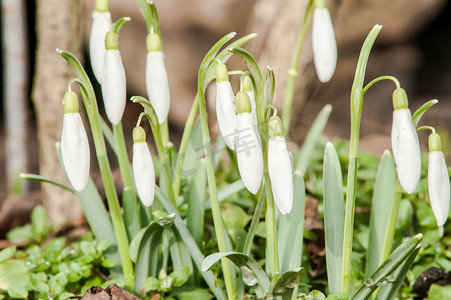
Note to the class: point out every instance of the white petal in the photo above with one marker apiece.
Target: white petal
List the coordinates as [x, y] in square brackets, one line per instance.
[157, 84]
[254, 108]
[439, 186]
[280, 173]
[114, 86]
[225, 113]
[249, 153]
[101, 24]
[324, 44]
[144, 172]
[75, 151]
[406, 149]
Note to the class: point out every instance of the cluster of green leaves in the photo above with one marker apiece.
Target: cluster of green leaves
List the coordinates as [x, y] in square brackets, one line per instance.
[48, 267]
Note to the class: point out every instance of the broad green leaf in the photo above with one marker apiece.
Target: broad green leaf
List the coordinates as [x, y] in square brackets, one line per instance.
[287, 283]
[196, 202]
[180, 275]
[303, 157]
[152, 284]
[437, 292]
[17, 291]
[13, 273]
[394, 282]
[191, 293]
[241, 260]
[131, 212]
[383, 197]
[385, 271]
[87, 248]
[189, 241]
[7, 253]
[334, 214]
[291, 229]
[147, 256]
[180, 255]
[234, 216]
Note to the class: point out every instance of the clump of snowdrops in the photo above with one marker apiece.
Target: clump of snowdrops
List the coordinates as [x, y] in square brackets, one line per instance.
[158, 240]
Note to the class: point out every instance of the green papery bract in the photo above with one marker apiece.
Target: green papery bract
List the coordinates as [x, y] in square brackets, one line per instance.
[114, 86]
[144, 173]
[324, 44]
[439, 186]
[406, 149]
[281, 173]
[75, 151]
[101, 24]
[157, 84]
[249, 153]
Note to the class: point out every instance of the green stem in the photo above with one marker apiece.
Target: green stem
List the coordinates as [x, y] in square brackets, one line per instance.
[184, 144]
[391, 226]
[293, 70]
[164, 132]
[101, 5]
[380, 78]
[356, 113]
[271, 238]
[122, 156]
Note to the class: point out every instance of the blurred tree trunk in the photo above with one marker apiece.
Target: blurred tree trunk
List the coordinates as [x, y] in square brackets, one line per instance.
[58, 26]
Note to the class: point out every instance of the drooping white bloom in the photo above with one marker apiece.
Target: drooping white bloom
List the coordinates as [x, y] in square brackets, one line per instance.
[439, 186]
[101, 24]
[324, 44]
[247, 146]
[143, 169]
[225, 112]
[438, 180]
[280, 173]
[157, 83]
[114, 86]
[248, 88]
[406, 149]
[74, 144]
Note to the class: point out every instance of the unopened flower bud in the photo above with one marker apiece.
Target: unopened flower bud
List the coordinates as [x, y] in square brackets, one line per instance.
[101, 24]
[143, 169]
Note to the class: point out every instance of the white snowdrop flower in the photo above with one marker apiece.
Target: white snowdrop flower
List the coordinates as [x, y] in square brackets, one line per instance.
[438, 180]
[143, 169]
[157, 83]
[279, 167]
[248, 88]
[324, 44]
[225, 108]
[113, 80]
[74, 144]
[101, 24]
[405, 144]
[247, 146]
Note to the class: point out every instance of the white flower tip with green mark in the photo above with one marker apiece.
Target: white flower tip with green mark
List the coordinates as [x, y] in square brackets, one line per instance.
[439, 186]
[157, 84]
[114, 86]
[406, 149]
[324, 44]
[75, 151]
[143, 172]
[249, 152]
[101, 24]
[225, 112]
[281, 173]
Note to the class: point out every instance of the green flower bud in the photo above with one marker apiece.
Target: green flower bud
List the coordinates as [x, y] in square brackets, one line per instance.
[70, 102]
[275, 127]
[139, 135]
[221, 73]
[247, 84]
[400, 99]
[243, 103]
[153, 42]
[435, 143]
[111, 41]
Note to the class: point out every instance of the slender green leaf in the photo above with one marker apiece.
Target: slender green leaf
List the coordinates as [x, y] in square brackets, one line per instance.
[334, 213]
[420, 112]
[303, 158]
[250, 61]
[180, 255]
[147, 256]
[130, 206]
[241, 260]
[291, 229]
[194, 151]
[401, 254]
[268, 86]
[189, 241]
[391, 288]
[254, 223]
[44, 179]
[196, 203]
[383, 197]
[108, 134]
